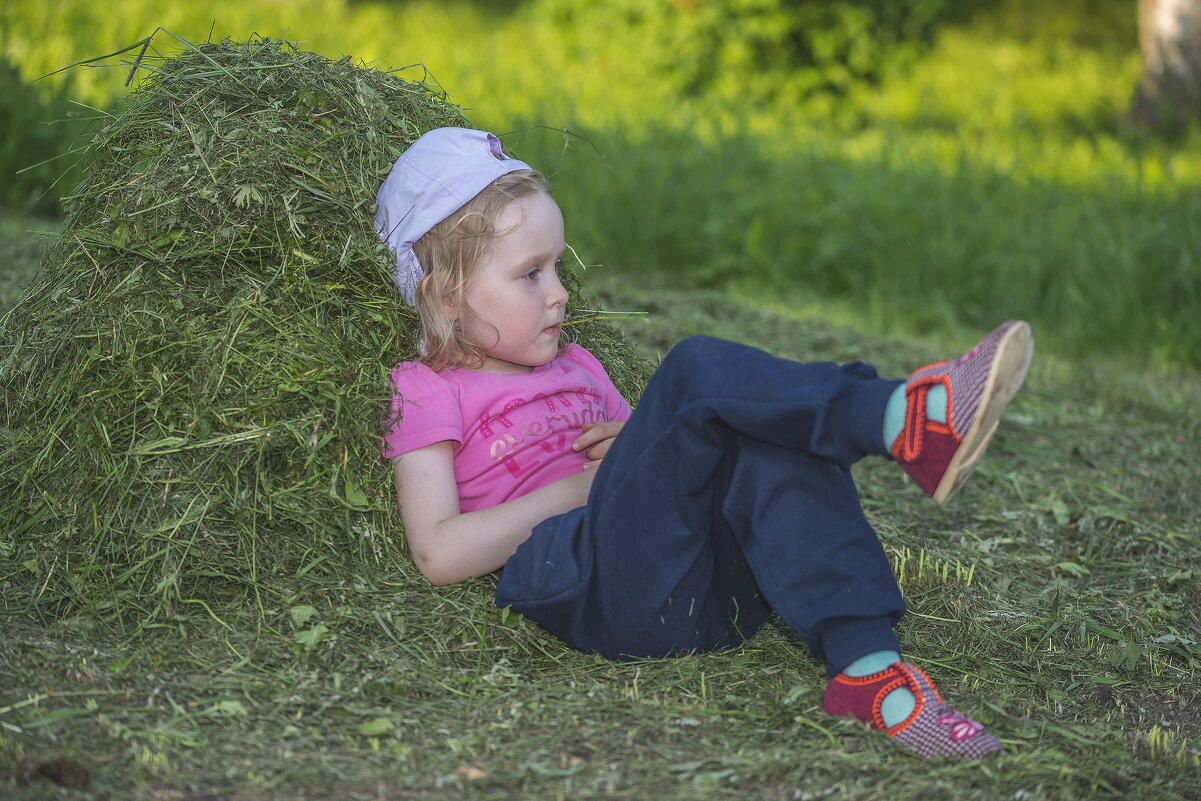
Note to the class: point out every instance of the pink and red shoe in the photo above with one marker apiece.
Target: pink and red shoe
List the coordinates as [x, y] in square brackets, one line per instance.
[932, 729]
[939, 456]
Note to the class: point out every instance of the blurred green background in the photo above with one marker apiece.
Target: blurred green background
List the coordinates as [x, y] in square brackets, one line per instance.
[914, 166]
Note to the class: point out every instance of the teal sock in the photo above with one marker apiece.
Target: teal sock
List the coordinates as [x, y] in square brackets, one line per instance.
[897, 705]
[894, 412]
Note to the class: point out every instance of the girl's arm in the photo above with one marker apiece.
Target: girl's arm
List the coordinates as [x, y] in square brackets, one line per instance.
[450, 546]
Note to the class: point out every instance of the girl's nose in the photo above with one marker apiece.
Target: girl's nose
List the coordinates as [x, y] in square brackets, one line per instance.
[558, 294]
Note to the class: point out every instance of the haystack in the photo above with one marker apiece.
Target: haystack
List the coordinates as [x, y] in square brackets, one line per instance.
[194, 387]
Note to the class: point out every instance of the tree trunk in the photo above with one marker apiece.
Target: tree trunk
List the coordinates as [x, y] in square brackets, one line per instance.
[1169, 94]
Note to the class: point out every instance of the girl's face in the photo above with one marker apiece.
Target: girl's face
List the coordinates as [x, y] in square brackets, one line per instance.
[515, 298]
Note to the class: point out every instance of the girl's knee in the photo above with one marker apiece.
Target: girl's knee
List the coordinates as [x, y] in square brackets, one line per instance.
[694, 367]
[692, 352]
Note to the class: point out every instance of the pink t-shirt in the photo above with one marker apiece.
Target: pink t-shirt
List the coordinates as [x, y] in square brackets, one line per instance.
[511, 433]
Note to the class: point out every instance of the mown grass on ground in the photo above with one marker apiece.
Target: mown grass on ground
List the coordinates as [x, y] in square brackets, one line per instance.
[1056, 599]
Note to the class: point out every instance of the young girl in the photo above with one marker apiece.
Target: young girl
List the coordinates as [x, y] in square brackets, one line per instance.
[726, 494]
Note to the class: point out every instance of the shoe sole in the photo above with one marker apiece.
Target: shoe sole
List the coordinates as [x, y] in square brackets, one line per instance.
[1005, 376]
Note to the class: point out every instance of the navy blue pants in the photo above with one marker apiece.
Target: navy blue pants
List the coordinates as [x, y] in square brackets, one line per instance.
[727, 495]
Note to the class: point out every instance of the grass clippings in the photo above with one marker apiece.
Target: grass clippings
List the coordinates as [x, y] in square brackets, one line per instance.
[193, 390]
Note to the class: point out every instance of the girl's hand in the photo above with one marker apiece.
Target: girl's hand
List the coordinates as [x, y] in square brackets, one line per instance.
[596, 439]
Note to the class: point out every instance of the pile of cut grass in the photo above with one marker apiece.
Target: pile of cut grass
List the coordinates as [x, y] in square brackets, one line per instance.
[193, 390]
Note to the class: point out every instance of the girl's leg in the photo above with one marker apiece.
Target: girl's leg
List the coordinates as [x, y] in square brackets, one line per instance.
[727, 495]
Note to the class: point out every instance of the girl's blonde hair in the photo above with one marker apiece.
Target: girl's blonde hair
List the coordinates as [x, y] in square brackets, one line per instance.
[449, 256]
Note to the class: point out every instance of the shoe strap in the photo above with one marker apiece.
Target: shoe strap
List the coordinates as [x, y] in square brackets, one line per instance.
[908, 447]
[917, 680]
[914, 679]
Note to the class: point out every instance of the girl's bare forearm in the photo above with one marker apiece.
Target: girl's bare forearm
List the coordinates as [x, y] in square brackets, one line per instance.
[474, 543]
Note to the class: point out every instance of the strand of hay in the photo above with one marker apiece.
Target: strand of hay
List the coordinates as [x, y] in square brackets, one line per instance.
[193, 390]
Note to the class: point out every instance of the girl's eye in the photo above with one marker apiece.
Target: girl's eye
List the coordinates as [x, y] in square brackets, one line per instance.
[532, 275]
